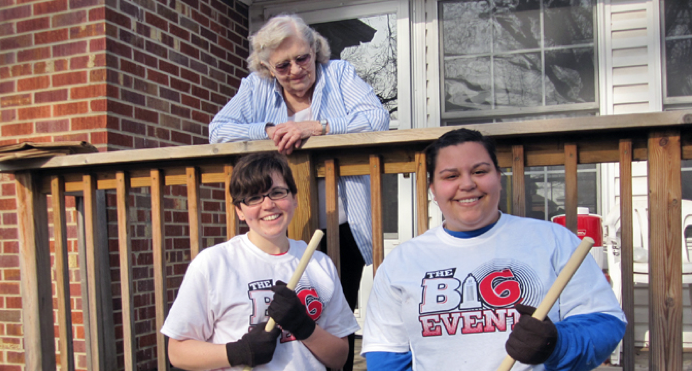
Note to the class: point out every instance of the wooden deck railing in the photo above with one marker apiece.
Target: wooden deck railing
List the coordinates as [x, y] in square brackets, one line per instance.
[663, 139]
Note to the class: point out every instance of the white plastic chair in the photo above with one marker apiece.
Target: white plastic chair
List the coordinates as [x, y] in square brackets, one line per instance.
[640, 228]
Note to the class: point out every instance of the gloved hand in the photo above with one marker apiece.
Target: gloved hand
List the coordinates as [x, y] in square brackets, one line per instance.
[254, 348]
[532, 341]
[288, 311]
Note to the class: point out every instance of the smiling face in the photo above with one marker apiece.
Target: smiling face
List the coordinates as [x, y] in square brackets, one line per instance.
[269, 220]
[298, 80]
[466, 186]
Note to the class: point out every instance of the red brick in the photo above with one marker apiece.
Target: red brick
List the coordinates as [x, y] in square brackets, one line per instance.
[4, 73]
[119, 48]
[54, 6]
[52, 36]
[8, 115]
[99, 105]
[67, 49]
[85, 3]
[33, 54]
[189, 75]
[33, 24]
[112, 91]
[97, 14]
[53, 126]
[157, 77]
[6, 87]
[69, 19]
[9, 219]
[70, 78]
[33, 83]
[182, 138]
[50, 96]
[97, 75]
[180, 32]
[9, 288]
[31, 113]
[15, 100]
[168, 67]
[8, 58]
[98, 137]
[129, 67]
[11, 247]
[8, 189]
[15, 13]
[120, 140]
[21, 69]
[79, 63]
[6, 29]
[120, 108]
[90, 30]
[156, 21]
[201, 117]
[146, 115]
[89, 91]
[15, 330]
[8, 204]
[74, 108]
[71, 137]
[13, 302]
[16, 42]
[8, 234]
[88, 123]
[117, 18]
[97, 45]
[19, 129]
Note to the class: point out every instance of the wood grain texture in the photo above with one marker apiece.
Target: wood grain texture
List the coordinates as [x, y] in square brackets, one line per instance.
[421, 194]
[376, 210]
[231, 216]
[158, 247]
[332, 207]
[665, 259]
[194, 211]
[93, 272]
[34, 262]
[305, 218]
[627, 252]
[518, 186]
[62, 273]
[571, 191]
[125, 254]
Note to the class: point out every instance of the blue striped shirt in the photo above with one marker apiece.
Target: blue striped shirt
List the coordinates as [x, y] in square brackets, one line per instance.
[342, 98]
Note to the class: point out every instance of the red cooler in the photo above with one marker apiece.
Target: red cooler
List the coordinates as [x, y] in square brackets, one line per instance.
[588, 225]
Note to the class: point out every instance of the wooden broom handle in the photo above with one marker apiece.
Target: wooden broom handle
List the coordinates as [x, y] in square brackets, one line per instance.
[304, 260]
[556, 289]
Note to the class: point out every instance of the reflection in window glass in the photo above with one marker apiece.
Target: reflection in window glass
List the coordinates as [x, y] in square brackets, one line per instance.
[678, 43]
[505, 55]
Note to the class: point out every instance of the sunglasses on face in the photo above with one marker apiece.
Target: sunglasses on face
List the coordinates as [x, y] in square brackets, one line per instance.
[277, 193]
[284, 68]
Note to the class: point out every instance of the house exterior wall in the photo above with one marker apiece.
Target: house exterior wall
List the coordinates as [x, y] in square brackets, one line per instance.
[120, 74]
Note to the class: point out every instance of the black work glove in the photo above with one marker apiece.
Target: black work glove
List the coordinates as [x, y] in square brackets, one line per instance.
[254, 348]
[532, 341]
[287, 310]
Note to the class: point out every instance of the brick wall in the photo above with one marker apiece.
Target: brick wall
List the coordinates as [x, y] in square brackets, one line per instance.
[119, 74]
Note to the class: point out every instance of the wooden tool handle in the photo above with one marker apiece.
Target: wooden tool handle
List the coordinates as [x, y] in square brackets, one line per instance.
[556, 289]
[300, 269]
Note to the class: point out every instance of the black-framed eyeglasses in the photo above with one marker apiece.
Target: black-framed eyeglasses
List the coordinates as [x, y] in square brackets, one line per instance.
[274, 194]
[284, 67]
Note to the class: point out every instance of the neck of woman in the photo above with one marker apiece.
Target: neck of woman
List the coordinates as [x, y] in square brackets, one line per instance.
[274, 246]
[295, 103]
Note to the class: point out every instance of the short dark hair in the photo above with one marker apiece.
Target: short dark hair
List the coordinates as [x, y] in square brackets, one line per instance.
[253, 175]
[452, 138]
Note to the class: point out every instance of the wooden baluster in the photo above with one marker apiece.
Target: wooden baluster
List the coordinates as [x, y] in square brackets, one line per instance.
[34, 262]
[305, 219]
[331, 177]
[571, 191]
[231, 217]
[376, 170]
[125, 250]
[62, 273]
[665, 259]
[159, 248]
[627, 251]
[94, 270]
[193, 210]
[518, 186]
[421, 194]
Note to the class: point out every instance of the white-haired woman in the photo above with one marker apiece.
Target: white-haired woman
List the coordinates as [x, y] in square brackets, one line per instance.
[295, 92]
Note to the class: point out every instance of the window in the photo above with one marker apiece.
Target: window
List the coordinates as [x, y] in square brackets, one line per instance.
[517, 58]
[677, 34]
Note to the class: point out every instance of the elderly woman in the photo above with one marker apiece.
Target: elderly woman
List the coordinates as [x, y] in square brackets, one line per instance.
[460, 296]
[295, 92]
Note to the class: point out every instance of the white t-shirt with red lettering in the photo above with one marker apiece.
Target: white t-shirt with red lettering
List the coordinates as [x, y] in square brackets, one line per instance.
[226, 290]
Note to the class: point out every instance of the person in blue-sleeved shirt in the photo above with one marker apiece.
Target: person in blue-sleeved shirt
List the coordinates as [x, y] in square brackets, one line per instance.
[460, 296]
[295, 92]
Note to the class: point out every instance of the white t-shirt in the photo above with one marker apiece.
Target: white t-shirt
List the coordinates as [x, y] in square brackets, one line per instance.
[451, 300]
[226, 289]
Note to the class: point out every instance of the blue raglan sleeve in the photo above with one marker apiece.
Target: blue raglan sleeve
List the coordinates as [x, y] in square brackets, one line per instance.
[584, 341]
[389, 361]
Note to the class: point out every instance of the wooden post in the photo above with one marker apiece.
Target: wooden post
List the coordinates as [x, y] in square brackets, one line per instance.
[231, 217]
[125, 250]
[518, 186]
[421, 194]
[34, 263]
[665, 258]
[194, 211]
[159, 248]
[376, 170]
[305, 218]
[627, 251]
[571, 191]
[62, 272]
[331, 167]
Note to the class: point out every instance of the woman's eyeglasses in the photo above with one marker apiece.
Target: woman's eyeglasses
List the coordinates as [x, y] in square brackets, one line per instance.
[277, 193]
[284, 68]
